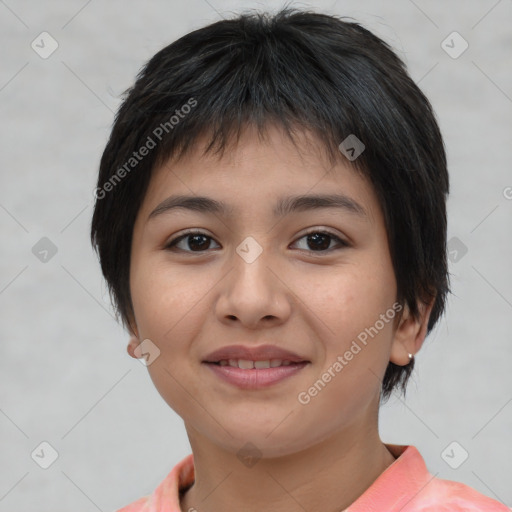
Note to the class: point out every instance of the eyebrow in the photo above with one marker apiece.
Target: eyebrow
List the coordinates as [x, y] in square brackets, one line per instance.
[284, 206]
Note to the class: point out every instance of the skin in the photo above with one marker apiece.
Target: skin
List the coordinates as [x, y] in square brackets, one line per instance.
[318, 456]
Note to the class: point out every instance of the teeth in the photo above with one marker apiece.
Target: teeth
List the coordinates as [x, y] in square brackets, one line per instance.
[246, 364]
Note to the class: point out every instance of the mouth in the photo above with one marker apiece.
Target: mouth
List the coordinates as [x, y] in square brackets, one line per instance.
[248, 364]
[252, 367]
[247, 374]
[249, 356]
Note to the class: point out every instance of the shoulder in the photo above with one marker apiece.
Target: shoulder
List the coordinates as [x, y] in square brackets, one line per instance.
[167, 495]
[449, 496]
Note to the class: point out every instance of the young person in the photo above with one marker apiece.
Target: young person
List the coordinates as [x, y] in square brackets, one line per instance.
[271, 221]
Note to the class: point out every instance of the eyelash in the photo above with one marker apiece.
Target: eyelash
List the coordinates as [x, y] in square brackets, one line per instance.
[170, 246]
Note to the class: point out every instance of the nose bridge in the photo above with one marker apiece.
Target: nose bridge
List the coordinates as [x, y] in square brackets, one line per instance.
[252, 264]
[252, 291]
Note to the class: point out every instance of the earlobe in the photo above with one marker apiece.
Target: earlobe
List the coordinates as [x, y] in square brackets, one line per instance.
[132, 345]
[410, 334]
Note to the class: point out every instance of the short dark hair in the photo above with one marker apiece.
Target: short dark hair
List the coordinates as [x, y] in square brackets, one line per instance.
[298, 69]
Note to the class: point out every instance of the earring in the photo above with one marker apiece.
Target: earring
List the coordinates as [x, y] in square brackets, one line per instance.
[410, 357]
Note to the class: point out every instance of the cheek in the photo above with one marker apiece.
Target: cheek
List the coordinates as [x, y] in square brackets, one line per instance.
[346, 300]
[167, 309]
[161, 296]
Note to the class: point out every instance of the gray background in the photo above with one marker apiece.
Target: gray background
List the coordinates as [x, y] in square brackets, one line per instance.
[65, 375]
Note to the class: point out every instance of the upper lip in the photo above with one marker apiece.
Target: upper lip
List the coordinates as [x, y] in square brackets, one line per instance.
[259, 353]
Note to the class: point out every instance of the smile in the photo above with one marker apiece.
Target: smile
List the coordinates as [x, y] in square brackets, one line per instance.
[247, 374]
[247, 364]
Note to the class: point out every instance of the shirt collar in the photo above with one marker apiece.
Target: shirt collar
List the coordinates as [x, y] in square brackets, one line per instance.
[398, 484]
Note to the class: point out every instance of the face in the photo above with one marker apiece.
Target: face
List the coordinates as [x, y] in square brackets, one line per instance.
[311, 280]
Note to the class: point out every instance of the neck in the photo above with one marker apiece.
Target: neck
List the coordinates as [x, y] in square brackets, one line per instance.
[330, 475]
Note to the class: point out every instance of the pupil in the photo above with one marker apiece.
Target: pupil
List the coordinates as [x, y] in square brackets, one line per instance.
[195, 238]
[315, 238]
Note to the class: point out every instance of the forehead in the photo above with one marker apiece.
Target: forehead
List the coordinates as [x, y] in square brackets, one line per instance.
[269, 170]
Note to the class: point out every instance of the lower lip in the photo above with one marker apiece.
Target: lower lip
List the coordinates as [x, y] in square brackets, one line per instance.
[255, 378]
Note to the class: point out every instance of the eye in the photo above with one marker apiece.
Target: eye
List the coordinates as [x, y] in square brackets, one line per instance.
[196, 241]
[320, 241]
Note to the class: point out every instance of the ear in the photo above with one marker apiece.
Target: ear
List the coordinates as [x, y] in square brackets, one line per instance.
[410, 333]
[133, 343]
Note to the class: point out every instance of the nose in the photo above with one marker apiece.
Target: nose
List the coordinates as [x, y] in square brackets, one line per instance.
[254, 292]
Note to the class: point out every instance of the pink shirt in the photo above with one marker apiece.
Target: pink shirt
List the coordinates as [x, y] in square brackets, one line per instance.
[404, 486]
